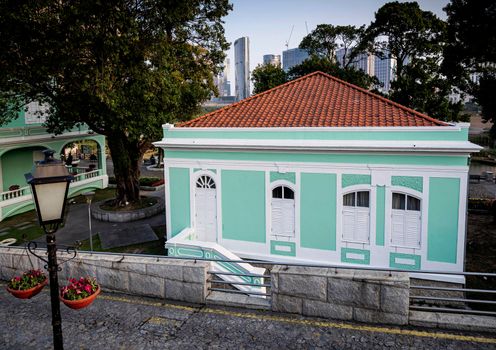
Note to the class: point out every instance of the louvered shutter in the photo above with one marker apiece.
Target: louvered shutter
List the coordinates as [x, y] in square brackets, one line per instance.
[397, 227]
[361, 233]
[288, 217]
[277, 216]
[412, 228]
[348, 224]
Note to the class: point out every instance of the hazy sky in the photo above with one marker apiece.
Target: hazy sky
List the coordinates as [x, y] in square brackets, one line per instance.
[268, 22]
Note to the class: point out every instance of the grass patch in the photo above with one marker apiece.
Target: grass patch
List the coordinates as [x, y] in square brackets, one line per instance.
[22, 233]
[100, 195]
[145, 202]
[150, 248]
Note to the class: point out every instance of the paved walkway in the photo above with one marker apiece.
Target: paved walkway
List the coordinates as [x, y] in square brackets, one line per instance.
[123, 322]
[76, 224]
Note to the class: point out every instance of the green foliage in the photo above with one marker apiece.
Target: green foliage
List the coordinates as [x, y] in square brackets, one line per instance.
[350, 74]
[79, 289]
[471, 49]
[415, 38]
[267, 76]
[324, 40]
[27, 280]
[124, 68]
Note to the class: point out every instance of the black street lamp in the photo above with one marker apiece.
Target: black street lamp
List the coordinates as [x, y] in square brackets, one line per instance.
[50, 184]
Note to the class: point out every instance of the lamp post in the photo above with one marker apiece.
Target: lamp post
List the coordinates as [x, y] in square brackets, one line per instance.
[89, 197]
[50, 184]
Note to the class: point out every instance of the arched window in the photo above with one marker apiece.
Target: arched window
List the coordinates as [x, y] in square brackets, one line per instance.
[356, 216]
[283, 211]
[405, 221]
[205, 181]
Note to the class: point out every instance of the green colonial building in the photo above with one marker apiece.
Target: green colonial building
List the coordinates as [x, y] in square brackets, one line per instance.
[22, 142]
[318, 170]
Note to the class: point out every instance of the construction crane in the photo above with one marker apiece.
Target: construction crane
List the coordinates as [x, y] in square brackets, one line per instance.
[287, 42]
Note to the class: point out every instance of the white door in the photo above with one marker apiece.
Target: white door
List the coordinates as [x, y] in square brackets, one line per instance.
[206, 209]
[283, 212]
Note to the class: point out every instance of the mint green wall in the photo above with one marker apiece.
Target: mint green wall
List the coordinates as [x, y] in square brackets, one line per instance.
[380, 215]
[243, 205]
[274, 176]
[15, 164]
[414, 258]
[318, 211]
[354, 179]
[414, 182]
[444, 201]
[451, 135]
[364, 253]
[179, 199]
[362, 158]
[290, 245]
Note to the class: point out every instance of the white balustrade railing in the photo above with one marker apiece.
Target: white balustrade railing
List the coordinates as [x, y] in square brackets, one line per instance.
[23, 191]
[87, 175]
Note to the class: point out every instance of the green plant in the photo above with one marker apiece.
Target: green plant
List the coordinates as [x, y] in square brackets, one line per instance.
[79, 289]
[148, 181]
[28, 280]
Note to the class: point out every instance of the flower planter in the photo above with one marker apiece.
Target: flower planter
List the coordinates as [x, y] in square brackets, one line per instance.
[28, 293]
[81, 303]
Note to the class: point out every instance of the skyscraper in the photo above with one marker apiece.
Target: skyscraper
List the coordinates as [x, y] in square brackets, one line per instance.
[272, 59]
[385, 71]
[363, 61]
[242, 68]
[293, 57]
[221, 81]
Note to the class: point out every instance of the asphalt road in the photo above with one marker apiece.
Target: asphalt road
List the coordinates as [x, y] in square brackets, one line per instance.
[116, 321]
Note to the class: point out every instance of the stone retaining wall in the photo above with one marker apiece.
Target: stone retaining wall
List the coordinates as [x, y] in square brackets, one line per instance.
[126, 216]
[163, 278]
[365, 296]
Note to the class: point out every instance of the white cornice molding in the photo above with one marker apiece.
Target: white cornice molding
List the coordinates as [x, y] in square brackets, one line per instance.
[452, 147]
[451, 128]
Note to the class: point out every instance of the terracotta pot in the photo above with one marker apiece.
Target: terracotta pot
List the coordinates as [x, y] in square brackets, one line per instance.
[81, 303]
[28, 293]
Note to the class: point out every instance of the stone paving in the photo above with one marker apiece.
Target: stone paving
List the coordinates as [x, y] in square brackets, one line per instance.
[125, 322]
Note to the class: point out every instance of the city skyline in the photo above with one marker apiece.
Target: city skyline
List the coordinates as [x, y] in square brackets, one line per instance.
[272, 29]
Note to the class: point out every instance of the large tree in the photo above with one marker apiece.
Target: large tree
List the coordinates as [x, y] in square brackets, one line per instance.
[415, 39]
[325, 39]
[267, 76]
[122, 67]
[470, 55]
[404, 31]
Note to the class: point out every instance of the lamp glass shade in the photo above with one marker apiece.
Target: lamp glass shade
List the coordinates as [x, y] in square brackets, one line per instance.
[51, 199]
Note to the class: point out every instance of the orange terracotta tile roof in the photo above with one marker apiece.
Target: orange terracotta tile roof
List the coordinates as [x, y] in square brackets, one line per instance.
[315, 100]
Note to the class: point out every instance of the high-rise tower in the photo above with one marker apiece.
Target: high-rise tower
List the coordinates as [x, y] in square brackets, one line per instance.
[242, 67]
[275, 60]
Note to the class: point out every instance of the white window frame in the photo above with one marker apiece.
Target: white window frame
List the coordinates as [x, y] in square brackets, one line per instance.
[420, 213]
[343, 208]
[292, 187]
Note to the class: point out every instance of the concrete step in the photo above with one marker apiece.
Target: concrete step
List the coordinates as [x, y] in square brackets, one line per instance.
[237, 300]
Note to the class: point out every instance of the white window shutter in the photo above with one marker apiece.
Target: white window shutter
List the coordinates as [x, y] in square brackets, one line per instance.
[362, 225]
[277, 216]
[348, 224]
[412, 229]
[288, 223]
[398, 227]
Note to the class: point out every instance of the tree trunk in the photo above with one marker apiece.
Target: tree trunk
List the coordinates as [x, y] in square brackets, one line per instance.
[125, 157]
